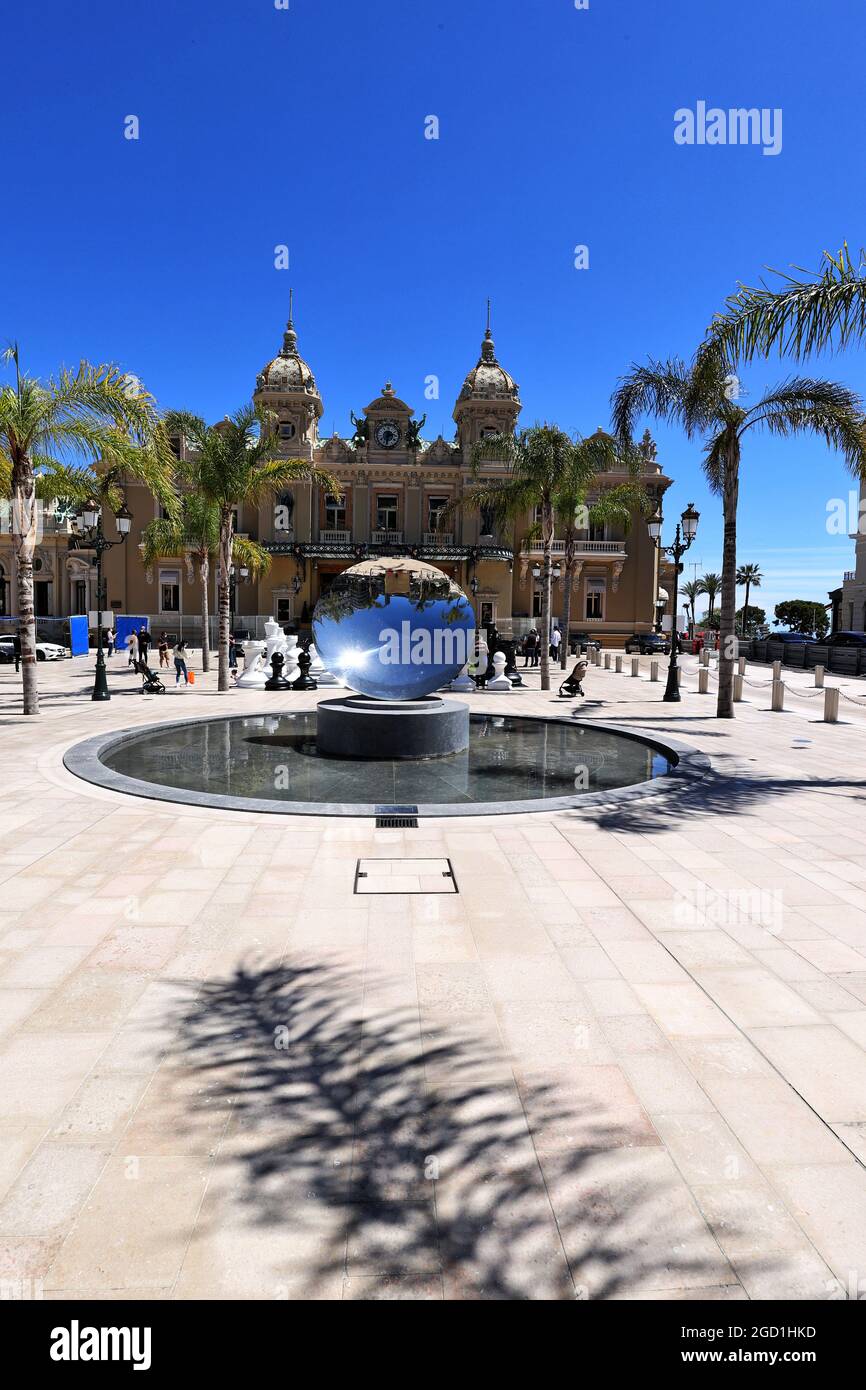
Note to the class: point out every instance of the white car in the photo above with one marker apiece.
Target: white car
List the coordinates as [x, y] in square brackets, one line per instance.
[45, 651]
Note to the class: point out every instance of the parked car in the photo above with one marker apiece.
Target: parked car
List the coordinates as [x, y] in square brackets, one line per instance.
[581, 641]
[45, 651]
[648, 643]
[798, 638]
[846, 639]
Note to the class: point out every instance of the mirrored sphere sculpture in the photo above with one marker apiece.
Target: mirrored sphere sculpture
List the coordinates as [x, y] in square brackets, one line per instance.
[394, 628]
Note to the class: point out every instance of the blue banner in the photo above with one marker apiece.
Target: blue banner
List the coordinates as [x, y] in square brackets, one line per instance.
[79, 638]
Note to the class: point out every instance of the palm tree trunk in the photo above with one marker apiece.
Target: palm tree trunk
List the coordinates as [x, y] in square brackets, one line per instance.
[204, 575]
[545, 620]
[727, 639]
[225, 560]
[566, 615]
[24, 515]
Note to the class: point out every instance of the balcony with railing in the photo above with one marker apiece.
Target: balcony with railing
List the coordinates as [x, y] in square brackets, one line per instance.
[583, 549]
[438, 537]
[387, 537]
[334, 535]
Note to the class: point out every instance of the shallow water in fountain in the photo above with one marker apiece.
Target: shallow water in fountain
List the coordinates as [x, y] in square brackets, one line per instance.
[275, 758]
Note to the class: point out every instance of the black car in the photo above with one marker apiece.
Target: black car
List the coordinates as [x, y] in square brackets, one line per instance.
[648, 643]
[846, 639]
[581, 642]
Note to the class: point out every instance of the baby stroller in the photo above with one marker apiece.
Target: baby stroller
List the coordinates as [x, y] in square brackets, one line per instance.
[150, 682]
[571, 686]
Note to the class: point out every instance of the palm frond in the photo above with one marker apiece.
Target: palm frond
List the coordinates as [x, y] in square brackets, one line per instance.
[826, 310]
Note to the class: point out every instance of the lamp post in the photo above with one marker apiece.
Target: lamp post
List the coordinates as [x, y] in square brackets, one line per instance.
[89, 522]
[687, 529]
[233, 580]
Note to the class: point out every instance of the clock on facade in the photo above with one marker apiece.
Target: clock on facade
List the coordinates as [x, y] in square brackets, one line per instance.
[387, 435]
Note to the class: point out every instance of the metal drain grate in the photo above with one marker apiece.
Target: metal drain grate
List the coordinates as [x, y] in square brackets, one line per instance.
[396, 817]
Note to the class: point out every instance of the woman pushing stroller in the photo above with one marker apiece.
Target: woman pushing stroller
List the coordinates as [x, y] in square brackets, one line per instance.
[573, 684]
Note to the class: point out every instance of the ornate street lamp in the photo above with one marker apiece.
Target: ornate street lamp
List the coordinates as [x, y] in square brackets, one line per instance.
[89, 523]
[687, 529]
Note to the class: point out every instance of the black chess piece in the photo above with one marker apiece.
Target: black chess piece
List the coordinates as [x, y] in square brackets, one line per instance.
[511, 670]
[305, 680]
[277, 680]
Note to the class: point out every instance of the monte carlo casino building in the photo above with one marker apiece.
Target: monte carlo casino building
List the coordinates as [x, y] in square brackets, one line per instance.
[395, 487]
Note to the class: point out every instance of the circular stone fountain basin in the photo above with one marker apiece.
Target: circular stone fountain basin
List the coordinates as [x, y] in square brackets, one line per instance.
[270, 762]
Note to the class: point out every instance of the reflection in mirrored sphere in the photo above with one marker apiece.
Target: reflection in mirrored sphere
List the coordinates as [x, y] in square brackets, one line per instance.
[395, 629]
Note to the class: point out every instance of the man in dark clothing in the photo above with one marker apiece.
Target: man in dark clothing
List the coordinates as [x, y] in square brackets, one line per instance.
[143, 643]
[529, 644]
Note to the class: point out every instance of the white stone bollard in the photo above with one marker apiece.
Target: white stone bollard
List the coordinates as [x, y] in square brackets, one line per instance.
[738, 687]
[607, 661]
[777, 701]
[777, 670]
[741, 665]
[703, 681]
[618, 662]
[819, 675]
[654, 670]
[635, 665]
[705, 656]
[831, 704]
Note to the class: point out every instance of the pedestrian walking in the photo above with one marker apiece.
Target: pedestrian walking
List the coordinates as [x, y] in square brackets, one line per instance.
[179, 654]
[555, 640]
[163, 649]
[530, 643]
[109, 641]
[132, 644]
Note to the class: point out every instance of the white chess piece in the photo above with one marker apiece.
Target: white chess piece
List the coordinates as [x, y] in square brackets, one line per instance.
[499, 680]
[291, 668]
[463, 681]
[253, 676]
[317, 669]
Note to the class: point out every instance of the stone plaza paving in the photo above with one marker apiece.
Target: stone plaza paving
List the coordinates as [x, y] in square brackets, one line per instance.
[627, 1060]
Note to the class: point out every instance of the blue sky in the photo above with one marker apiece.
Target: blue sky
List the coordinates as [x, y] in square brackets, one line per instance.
[305, 127]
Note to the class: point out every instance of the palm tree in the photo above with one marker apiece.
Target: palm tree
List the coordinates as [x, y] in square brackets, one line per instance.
[615, 505]
[699, 399]
[238, 463]
[195, 534]
[751, 576]
[543, 462]
[826, 310]
[710, 585]
[96, 412]
[692, 590]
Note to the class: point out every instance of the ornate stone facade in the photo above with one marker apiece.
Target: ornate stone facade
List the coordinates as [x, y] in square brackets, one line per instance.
[399, 494]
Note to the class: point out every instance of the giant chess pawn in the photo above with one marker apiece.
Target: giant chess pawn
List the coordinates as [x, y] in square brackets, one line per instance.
[277, 681]
[304, 681]
[499, 681]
